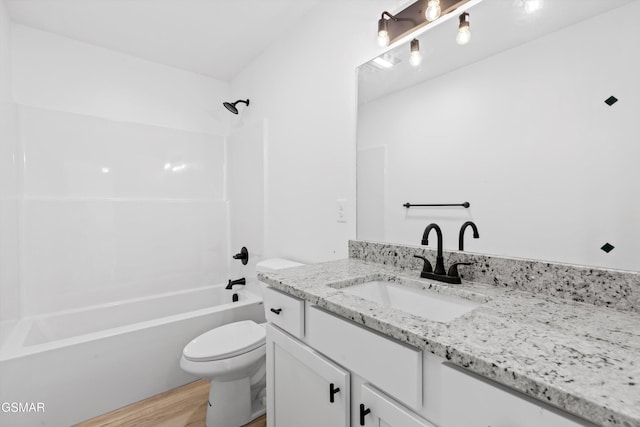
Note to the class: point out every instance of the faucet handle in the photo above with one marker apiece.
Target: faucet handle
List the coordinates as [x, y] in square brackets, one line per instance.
[453, 270]
[243, 256]
[427, 268]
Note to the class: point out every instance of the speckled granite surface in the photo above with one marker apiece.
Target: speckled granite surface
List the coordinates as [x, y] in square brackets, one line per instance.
[580, 358]
[602, 287]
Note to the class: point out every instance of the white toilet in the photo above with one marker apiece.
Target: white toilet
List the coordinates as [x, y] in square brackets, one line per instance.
[232, 357]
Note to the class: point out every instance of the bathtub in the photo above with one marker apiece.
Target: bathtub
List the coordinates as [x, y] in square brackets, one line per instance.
[69, 366]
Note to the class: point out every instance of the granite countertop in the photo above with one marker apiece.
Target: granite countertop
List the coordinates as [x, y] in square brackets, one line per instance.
[579, 357]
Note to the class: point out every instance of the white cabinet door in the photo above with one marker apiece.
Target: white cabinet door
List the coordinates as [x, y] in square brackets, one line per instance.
[303, 387]
[379, 410]
[472, 401]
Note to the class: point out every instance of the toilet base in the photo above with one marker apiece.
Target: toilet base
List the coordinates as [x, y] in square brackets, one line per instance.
[230, 404]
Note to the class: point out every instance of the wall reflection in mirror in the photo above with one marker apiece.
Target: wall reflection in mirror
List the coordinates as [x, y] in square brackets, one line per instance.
[514, 122]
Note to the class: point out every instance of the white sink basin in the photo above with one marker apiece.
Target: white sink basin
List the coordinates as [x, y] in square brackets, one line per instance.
[427, 304]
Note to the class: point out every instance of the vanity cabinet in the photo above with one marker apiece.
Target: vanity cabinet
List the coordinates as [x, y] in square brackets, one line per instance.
[324, 370]
[313, 359]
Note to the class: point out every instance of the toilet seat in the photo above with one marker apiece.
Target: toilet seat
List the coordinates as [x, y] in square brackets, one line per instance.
[224, 342]
[225, 369]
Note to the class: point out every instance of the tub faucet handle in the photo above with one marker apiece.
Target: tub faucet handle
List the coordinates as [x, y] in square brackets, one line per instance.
[243, 256]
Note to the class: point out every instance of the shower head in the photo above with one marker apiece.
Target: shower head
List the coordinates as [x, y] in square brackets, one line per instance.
[232, 106]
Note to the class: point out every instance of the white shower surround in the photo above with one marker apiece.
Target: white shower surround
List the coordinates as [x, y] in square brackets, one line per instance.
[123, 216]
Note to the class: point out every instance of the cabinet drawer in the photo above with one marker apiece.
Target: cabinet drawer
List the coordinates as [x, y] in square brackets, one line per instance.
[392, 366]
[284, 311]
[470, 400]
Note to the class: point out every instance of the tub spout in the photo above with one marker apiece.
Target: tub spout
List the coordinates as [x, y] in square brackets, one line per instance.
[240, 281]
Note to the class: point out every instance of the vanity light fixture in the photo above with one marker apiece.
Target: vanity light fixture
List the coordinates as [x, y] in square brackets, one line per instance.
[464, 35]
[433, 10]
[383, 28]
[415, 58]
[417, 16]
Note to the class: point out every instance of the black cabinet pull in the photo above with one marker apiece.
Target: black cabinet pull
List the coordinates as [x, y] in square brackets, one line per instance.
[276, 310]
[332, 390]
[363, 413]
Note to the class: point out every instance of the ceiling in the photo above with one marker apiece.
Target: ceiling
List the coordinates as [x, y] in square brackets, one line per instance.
[496, 25]
[217, 38]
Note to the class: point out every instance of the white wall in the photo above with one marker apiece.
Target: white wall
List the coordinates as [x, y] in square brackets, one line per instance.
[5, 53]
[123, 179]
[305, 86]
[59, 73]
[550, 170]
[245, 195]
[9, 285]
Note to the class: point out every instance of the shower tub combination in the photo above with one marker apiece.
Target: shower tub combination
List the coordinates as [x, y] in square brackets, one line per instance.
[82, 363]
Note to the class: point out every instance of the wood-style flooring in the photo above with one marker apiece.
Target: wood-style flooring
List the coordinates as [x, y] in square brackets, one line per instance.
[184, 406]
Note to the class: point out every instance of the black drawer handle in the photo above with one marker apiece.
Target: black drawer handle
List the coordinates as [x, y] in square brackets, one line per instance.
[332, 390]
[363, 413]
[276, 310]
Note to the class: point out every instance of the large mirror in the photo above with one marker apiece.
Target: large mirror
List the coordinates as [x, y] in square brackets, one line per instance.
[535, 122]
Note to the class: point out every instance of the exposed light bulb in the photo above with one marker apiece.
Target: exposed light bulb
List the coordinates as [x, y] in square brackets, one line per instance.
[383, 32]
[383, 38]
[433, 10]
[531, 6]
[464, 35]
[415, 58]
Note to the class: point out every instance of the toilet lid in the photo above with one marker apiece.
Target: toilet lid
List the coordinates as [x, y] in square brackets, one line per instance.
[226, 341]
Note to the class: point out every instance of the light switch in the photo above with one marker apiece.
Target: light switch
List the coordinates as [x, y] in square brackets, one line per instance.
[341, 210]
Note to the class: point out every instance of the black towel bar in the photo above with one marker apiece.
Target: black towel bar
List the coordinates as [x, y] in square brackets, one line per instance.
[411, 205]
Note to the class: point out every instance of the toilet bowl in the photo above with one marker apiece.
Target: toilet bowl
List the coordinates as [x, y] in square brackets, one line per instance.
[232, 357]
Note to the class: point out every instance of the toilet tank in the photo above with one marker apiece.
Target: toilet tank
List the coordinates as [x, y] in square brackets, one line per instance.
[275, 264]
[270, 265]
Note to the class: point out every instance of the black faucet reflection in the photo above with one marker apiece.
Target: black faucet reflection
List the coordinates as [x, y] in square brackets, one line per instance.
[461, 236]
[439, 274]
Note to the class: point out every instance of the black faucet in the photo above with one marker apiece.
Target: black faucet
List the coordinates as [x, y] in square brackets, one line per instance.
[240, 281]
[439, 273]
[425, 241]
[461, 236]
